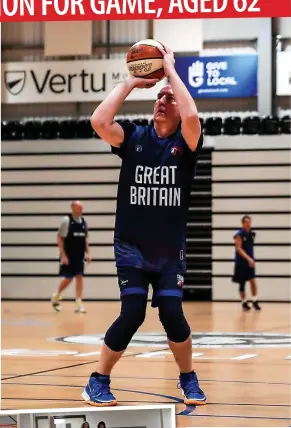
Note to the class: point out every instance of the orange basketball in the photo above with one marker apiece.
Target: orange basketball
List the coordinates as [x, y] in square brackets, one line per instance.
[144, 59]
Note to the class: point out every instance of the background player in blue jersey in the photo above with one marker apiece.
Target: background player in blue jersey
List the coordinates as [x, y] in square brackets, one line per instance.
[158, 166]
[244, 265]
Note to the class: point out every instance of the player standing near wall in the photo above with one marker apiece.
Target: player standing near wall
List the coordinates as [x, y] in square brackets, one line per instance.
[73, 244]
[244, 267]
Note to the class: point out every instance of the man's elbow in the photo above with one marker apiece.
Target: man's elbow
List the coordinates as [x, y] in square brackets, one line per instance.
[191, 130]
[192, 121]
[97, 123]
[101, 126]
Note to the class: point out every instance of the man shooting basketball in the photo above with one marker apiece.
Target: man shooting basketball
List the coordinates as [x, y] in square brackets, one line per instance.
[158, 166]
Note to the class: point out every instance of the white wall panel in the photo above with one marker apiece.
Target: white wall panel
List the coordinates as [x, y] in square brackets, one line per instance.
[270, 289]
[285, 27]
[57, 161]
[263, 268]
[59, 176]
[265, 252]
[259, 220]
[62, 207]
[44, 268]
[251, 189]
[67, 38]
[55, 146]
[250, 157]
[42, 288]
[230, 29]
[250, 142]
[102, 237]
[263, 236]
[128, 31]
[75, 192]
[252, 173]
[251, 205]
[53, 221]
[192, 30]
[45, 252]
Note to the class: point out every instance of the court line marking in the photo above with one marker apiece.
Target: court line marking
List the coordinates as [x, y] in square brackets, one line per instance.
[195, 415]
[275, 328]
[72, 365]
[187, 411]
[49, 370]
[174, 379]
[170, 397]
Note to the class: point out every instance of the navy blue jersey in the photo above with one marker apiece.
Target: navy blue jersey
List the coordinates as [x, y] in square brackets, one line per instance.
[248, 239]
[153, 198]
[75, 241]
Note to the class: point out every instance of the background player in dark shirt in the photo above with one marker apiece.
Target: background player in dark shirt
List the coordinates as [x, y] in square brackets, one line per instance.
[244, 264]
[73, 244]
[158, 166]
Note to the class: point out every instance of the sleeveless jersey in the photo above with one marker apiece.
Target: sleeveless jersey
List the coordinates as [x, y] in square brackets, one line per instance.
[75, 241]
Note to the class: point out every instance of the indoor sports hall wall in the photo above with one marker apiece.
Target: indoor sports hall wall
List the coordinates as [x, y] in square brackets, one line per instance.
[39, 181]
[26, 42]
[40, 178]
[252, 177]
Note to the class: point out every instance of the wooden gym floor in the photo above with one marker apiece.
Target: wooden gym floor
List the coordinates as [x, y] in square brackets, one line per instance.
[245, 385]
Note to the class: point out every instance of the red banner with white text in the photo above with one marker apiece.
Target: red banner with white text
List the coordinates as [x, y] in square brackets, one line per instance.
[87, 10]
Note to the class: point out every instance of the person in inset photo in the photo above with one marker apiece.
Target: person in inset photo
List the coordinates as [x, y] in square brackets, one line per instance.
[85, 425]
[101, 425]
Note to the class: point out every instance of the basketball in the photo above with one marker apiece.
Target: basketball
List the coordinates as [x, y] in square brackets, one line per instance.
[144, 59]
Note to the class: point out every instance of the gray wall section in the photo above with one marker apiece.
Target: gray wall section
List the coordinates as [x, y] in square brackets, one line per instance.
[254, 180]
[285, 27]
[265, 76]
[230, 29]
[216, 33]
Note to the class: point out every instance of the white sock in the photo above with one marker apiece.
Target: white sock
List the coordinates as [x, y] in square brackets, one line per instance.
[244, 301]
[79, 302]
[255, 298]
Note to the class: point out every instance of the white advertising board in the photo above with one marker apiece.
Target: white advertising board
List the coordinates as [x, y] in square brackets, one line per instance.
[67, 81]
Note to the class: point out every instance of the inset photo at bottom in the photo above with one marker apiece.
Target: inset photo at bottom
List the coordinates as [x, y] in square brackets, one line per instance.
[162, 416]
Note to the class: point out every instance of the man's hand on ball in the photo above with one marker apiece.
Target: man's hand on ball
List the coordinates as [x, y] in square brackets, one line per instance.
[169, 60]
[141, 82]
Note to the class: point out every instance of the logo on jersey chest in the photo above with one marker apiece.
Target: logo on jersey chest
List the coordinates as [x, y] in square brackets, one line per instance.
[79, 233]
[138, 148]
[180, 280]
[176, 150]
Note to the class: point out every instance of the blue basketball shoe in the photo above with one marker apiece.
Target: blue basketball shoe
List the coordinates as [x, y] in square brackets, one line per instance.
[191, 391]
[97, 391]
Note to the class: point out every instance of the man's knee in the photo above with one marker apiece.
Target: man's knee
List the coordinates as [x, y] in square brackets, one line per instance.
[133, 310]
[173, 319]
[132, 316]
